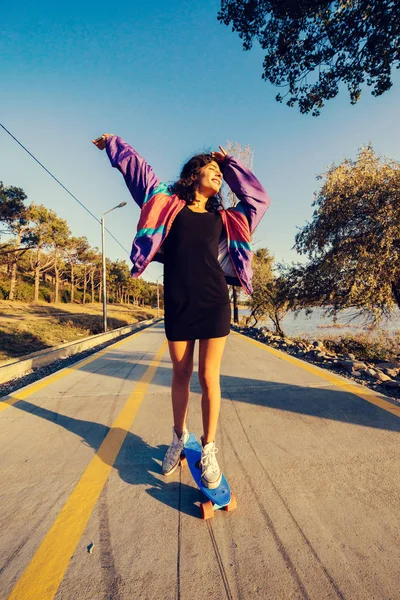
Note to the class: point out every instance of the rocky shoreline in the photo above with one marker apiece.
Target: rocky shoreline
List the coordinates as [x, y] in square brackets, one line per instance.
[381, 376]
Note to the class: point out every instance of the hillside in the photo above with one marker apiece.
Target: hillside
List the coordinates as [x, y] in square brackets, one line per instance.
[26, 328]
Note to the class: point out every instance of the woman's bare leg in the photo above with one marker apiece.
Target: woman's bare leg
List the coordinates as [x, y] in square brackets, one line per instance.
[210, 356]
[182, 364]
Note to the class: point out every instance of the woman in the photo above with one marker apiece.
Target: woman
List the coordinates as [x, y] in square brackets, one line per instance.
[203, 248]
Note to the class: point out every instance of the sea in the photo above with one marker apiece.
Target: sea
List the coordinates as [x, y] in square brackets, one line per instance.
[316, 325]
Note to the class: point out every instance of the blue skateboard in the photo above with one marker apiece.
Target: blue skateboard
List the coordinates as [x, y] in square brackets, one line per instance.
[221, 496]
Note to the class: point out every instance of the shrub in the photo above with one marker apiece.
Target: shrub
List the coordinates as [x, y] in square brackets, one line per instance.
[378, 347]
[4, 291]
[24, 291]
[46, 294]
[65, 296]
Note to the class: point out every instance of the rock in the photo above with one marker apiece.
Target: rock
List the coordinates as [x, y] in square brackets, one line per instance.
[318, 344]
[349, 356]
[351, 364]
[356, 373]
[319, 357]
[393, 385]
[395, 364]
[382, 377]
[370, 372]
[391, 372]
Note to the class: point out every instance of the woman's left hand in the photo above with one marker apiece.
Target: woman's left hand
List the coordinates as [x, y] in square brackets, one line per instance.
[219, 156]
[101, 141]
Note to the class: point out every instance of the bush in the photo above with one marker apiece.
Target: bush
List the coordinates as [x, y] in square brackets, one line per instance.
[46, 294]
[367, 347]
[4, 291]
[78, 297]
[65, 296]
[24, 291]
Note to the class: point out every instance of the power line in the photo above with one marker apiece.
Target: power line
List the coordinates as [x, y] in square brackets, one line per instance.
[63, 186]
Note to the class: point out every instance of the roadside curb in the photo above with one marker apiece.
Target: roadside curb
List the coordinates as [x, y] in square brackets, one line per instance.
[15, 368]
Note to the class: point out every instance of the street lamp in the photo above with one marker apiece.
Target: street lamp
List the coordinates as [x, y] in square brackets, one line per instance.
[158, 298]
[103, 251]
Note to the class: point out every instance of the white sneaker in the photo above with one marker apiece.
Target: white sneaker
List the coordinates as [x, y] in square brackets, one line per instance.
[173, 454]
[211, 474]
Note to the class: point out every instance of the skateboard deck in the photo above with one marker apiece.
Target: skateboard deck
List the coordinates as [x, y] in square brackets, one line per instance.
[217, 498]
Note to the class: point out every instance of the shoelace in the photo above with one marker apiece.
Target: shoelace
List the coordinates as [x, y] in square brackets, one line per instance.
[171, 451]
[209, 459]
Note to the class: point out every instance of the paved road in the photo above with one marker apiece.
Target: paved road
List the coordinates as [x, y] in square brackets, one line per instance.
[313, 460]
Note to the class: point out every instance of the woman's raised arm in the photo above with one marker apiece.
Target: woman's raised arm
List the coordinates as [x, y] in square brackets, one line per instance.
[138, 175]
[253, 199]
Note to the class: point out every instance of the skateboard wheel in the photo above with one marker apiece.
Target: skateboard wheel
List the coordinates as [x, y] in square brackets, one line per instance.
[184, 462]
[232, 504]
[207, 510]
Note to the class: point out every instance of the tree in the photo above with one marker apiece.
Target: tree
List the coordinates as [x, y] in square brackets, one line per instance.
[94, 265]
[346, 41]
[75, 251]
[245, 155]
[353, 241]
[136, 287]
[12, 207]
[119, 278]
[45, 229]
[90, 261]
[61, 239]
[13, 215]
[269, 296]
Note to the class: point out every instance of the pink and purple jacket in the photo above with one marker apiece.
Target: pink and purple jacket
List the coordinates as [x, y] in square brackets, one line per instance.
[159, 208]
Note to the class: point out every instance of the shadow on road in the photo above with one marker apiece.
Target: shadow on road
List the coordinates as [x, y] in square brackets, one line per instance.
[137, 462]
[315, 398]
[140, 463]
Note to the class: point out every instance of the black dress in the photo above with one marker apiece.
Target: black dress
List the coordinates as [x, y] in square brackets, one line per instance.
[196, 297]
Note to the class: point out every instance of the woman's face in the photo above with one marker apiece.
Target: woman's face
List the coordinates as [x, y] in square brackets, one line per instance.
[209, 180]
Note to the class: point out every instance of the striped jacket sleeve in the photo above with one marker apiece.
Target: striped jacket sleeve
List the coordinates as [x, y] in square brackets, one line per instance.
[138, 175]
[253, 199]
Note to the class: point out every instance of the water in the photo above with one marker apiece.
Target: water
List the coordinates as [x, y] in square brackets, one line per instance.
[316, 325]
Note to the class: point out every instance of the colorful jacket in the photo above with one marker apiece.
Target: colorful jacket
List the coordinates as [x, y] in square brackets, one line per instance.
[159, 208]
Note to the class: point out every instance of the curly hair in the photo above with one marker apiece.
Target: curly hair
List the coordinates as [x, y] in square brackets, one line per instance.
[185, 187]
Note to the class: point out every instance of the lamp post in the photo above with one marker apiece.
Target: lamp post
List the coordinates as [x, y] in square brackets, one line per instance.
[158, 298]
[103, 252]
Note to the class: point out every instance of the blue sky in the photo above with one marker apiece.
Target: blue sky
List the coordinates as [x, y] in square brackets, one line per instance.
[172, 81]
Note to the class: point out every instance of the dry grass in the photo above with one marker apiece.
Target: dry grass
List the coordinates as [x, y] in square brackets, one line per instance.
[26, 328]
[375, 347]
[366, 347]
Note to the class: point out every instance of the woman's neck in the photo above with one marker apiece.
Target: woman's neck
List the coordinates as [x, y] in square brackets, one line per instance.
[200, 200]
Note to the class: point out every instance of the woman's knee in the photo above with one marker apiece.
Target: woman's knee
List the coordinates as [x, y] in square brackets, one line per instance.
[182, 360]
[209, 378]
[182, 371]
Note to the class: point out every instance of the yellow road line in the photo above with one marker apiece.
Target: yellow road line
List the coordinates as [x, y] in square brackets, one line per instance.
[44, 573]
[367, 395]
[8, 401]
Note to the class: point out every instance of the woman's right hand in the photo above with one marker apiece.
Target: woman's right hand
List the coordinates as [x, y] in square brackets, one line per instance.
[219, 156]
[100, 142]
